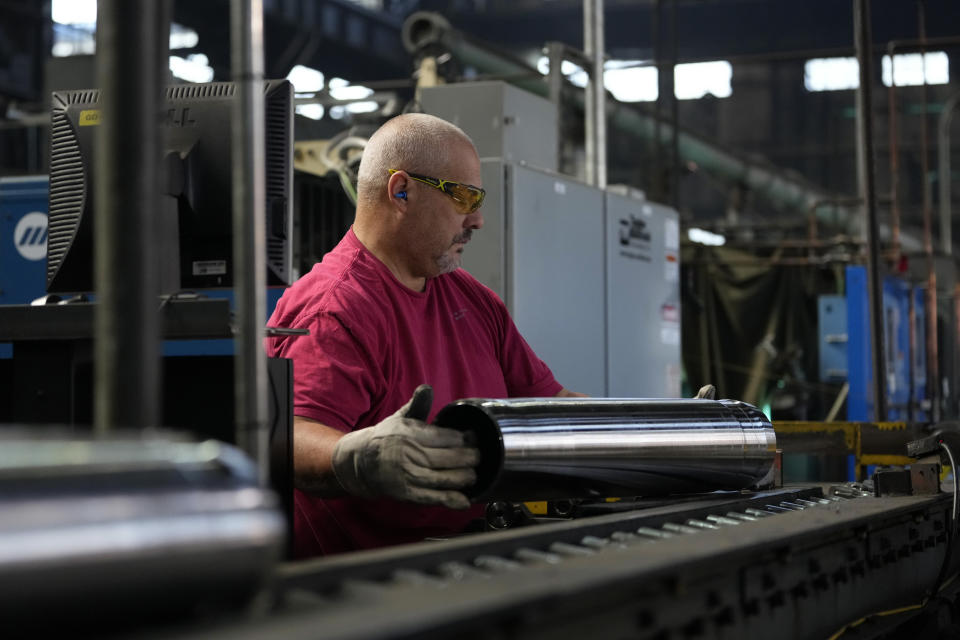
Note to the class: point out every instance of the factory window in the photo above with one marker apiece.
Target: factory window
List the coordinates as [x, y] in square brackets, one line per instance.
[697, 79]
[908, 69]
[636, 80]
[341, 89]
[74, 12]
[305, 80]
[341, 97]
[630, 82]
[306, 83]
[831, 74]
[573, 72]
[702, 236]
[313, 110]
[75, 28]
[182, 37]
[194, 68]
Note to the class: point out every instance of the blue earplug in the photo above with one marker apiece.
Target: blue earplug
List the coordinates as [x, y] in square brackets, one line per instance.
[402, 195]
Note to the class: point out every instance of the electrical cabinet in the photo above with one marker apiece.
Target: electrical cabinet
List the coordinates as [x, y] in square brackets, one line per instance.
[592, 279]
[541, 250]
[643, 298]
[504, 122]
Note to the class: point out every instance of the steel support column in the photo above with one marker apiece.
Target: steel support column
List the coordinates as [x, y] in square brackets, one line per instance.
[249, 241]
[132, 39]
[596, 103]
[866, 179]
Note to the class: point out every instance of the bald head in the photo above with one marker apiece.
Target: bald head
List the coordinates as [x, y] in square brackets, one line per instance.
[414, 142]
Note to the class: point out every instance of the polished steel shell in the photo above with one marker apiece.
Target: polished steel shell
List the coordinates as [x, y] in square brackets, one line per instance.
[549, 448]
[130, 523]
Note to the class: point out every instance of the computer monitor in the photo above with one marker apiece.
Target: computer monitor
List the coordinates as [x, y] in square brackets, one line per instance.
[197, 191]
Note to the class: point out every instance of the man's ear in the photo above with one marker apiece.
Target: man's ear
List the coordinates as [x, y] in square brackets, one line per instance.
[397, 187]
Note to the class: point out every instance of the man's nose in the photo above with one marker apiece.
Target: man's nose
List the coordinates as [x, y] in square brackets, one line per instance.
[474, 220]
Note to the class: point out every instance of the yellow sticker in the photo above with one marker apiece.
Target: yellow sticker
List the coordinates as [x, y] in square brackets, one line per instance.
[89, 117]
[537, 508]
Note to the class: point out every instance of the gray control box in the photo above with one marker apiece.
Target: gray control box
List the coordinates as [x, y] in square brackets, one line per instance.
[643, 298]
[592, 279]
[504, 122]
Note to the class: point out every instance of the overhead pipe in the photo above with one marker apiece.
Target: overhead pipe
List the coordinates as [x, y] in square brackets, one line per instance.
[539, 449]
[428, 31]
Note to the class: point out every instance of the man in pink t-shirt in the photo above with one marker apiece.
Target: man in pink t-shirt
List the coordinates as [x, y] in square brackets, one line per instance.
[389, 310]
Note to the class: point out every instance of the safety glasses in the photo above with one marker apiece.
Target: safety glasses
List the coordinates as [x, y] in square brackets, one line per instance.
[468, 197]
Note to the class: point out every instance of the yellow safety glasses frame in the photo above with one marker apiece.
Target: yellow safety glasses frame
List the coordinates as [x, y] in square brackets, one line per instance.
[468, 197]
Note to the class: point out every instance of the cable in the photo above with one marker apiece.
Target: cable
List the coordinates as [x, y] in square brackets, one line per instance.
[953, 469]
[857, 623]
[889, 612]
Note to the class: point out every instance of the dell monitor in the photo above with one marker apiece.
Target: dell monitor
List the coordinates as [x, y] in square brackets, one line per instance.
[197, 185]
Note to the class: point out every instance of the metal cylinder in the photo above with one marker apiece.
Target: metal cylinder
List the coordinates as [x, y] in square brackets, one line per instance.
[94, 529]
[540, 449]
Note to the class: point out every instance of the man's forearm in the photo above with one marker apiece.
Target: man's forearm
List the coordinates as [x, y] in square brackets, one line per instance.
[313, 444]
[566, 393]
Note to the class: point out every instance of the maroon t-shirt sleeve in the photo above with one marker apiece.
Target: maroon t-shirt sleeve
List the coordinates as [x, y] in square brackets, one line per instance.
[333, 358]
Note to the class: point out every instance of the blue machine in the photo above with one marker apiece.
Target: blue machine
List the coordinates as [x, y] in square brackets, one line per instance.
[23, 261]
[898, 367]
[920, 399]
[23, 241]
[832, 330]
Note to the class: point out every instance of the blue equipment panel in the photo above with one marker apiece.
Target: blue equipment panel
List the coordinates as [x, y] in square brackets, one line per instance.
[23, 261]
[832, 331]
[898, 364]
[23, 241]
[921, 402]
[896, 324]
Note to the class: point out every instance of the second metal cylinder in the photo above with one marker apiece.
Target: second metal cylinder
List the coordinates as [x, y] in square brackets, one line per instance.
[539, 449]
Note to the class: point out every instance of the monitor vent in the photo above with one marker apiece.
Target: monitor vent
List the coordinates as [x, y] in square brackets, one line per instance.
[210, 90]
[67, 191]
[86, 96]
[275, 254]
[278, 105]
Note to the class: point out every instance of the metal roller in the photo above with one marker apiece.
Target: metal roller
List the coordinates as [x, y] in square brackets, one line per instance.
[540, 449]
[92, 527]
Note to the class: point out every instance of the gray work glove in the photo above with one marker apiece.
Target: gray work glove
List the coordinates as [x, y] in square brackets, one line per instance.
[707, 392]
[403, 457]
